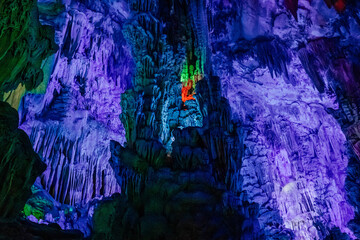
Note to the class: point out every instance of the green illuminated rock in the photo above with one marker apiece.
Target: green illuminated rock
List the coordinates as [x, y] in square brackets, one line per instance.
[24, 43]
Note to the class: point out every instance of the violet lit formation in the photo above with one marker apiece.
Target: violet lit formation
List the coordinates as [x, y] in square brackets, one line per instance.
[180, 119]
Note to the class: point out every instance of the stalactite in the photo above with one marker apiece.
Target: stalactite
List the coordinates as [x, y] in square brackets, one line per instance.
[70, 170]
[238, 119]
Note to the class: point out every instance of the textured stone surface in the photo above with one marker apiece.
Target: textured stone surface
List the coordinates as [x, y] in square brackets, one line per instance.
[172, 192]
[72, 122]
[217, 119]
[275, 77]
[19, 164]
[24, 43]
[43, 209]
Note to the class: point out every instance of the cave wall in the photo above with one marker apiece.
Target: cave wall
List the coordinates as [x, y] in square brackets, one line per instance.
[20, 165]
[285, 69]
[25, 43]
[281, 70]
[71, 121]
[204, 119]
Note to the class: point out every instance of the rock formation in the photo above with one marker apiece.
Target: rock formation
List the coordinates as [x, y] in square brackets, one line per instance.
[20, 165]
[291, 133]
[24, 43]
[71, 124]
[182, 119]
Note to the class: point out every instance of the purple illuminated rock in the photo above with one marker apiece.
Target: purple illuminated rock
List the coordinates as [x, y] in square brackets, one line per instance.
[296, 156]
[267, 150]
[178, 191]
[71, 124]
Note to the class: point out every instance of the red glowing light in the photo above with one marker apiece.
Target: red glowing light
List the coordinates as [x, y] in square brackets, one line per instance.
[185, 95]
[340, 5]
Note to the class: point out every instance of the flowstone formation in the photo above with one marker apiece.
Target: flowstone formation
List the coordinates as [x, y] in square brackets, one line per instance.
[294, 76]
[19, 163]
[24, 43]
[71, 118]
[175, 193]
[19, 167]
[286, 172]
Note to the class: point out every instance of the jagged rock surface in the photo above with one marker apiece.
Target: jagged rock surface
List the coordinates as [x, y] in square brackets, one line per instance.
[19, 164]
[71, 122]
[19, 167]
[24, 43]
[269, 149]
[179, 194]
[281, 81]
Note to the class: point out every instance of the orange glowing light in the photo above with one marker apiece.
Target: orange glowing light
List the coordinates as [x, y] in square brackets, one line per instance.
[185, 95]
